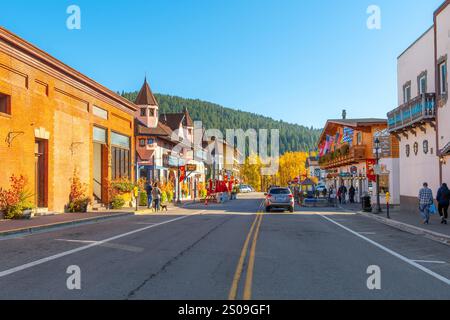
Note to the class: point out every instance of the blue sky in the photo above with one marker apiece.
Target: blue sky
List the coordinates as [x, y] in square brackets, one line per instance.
[296, 60]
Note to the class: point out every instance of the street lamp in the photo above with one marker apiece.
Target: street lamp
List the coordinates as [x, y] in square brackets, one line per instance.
[377, 154]
[180, 155]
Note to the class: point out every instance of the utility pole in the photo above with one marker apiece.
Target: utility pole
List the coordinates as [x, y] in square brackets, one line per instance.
[377, 154]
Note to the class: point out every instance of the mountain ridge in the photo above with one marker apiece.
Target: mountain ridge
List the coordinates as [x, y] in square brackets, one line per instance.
[293, 137]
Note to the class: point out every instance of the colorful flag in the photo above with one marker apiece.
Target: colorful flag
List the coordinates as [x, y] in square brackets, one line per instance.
[347, 137]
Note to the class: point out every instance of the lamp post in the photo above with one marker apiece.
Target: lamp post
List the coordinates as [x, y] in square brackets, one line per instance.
[377, 155]
[180, 155]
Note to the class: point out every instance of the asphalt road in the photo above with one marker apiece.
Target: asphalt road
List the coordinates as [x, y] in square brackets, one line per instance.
[227, 252]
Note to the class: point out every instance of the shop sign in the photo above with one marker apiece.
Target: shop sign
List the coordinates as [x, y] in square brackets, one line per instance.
[370, 169]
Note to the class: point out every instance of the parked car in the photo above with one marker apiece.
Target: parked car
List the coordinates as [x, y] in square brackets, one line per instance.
[243, 188]
[320, 187]
[279, 198]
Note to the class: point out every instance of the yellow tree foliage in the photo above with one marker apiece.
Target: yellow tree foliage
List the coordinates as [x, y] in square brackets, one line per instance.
[291, 165]
[251, 171]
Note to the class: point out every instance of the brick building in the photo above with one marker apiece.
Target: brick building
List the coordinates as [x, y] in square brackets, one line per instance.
[54, 120]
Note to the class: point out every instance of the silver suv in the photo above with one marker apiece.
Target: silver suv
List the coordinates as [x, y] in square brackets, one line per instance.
[279, 198]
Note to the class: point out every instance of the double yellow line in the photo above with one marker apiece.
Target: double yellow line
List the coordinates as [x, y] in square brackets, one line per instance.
[254, 230]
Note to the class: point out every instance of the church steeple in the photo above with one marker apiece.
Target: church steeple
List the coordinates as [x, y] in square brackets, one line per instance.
[148, 109]
[145, 96]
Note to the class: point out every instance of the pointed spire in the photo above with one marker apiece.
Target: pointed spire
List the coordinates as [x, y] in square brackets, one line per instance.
[145, 96]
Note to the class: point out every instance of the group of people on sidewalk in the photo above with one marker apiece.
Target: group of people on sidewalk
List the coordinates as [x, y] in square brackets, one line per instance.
[427, 206]
[153, 196]
[342, 193]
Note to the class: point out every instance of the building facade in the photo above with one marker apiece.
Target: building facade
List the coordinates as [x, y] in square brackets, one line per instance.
[165, 144]
[346, 153]
[419, 122]
[413, 122]
[55, 121]
[442, 54]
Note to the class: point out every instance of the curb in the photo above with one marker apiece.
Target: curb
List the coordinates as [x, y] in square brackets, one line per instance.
[432, 235]
[39, 229]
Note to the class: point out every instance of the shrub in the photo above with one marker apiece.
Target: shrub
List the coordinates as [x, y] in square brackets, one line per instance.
[78, 200]
[164, 197]
[143, 199]
[123, 185]
[170, 195]
[15, 200]
[203, 193]
[117, 203]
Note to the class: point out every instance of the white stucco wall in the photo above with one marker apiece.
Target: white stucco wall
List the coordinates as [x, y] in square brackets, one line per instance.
[443, 48]
[418, 58]
[415, 170]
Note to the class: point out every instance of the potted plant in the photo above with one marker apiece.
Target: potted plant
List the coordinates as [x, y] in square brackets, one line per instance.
[78, 200]
[15, 202]
[123, 189]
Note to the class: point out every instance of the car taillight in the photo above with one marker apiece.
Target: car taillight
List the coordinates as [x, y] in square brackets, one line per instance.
[269, 196]
[291, 196]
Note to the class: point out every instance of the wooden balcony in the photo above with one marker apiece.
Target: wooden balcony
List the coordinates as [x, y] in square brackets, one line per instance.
[414, 113]
[344, 156]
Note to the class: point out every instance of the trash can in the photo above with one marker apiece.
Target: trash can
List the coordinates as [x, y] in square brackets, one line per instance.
[367, 203]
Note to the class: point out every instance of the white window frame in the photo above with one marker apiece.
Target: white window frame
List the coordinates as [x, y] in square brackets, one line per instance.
[406, 99]
[442, 78]
[424, 89]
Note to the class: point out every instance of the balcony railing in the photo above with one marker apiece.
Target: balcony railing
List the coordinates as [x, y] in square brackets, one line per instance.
[344, 156]
[420, 109]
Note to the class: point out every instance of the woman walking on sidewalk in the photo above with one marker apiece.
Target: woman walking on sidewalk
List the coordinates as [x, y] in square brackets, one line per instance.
[157, 197]
[443, 198]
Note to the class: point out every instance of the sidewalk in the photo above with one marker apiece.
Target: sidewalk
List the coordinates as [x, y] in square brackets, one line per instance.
[38, 224]
[407, 221]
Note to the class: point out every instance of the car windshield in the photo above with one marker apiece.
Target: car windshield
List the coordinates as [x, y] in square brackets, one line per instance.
[280, 191]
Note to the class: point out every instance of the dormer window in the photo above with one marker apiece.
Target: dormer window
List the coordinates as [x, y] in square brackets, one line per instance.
[143, 112]
[152, 112]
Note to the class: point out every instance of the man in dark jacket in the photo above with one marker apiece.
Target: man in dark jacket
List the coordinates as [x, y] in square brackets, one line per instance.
[443, 198]
[351, 194]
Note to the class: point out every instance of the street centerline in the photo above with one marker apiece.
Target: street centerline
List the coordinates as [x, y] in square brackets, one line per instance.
[240, 266]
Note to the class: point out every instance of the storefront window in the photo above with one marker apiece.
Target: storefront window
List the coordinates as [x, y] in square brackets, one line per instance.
[99, 135]
[120, 156]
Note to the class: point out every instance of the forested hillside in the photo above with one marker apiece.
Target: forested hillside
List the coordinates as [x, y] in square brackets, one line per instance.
[292, 137]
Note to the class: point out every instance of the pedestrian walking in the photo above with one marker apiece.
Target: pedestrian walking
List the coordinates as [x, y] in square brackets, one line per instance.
[425, 202]
[324, 192]
[351, 193]
[342, 194]
[443, 198]
[339, 195]
[149, 191]
[156, 197]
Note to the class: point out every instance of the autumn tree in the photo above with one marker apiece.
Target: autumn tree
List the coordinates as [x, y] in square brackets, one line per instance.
[291, 165]
[251, 171]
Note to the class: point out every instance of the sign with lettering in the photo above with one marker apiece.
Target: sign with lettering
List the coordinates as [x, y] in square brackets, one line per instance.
[370, 169]
[191, 167]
